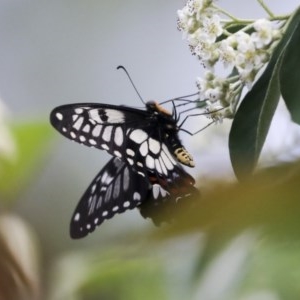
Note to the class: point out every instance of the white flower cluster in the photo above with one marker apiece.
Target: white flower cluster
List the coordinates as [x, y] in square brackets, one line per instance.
[243, 46]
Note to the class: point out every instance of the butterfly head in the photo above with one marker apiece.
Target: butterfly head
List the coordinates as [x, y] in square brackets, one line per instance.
[156, 107]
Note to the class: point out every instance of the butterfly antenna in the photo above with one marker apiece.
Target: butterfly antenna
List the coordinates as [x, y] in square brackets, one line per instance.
[123, 68]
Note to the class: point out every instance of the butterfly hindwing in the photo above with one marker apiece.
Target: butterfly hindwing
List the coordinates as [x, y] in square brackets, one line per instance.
[167, 197]
[115, 189]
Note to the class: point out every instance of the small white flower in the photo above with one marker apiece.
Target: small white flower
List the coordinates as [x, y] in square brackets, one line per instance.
[212, 27]
[205, 50]
[213, 94]
[244, 42]
[227, 53]
[247, 77]
[246, 53]
[195, 5]
[183, 19]
[264, 33]
[214, 112]
[202, 85]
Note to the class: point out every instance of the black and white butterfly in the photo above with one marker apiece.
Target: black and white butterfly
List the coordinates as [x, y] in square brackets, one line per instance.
[145, 171]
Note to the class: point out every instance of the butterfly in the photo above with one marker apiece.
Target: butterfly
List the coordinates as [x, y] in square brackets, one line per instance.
[145, 170]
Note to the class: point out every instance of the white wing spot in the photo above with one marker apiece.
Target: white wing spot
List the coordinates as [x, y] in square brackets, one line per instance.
[158, 167]
[169, 155]
[64, 129]
[126, 204]
[115, 208]
[163, 166]
[77, 217]
[92, 142]
[74, 117]
[96, 221]
[106, 135]
[119, 136]
[126, 179]
[105, 177]
[138, 136]
[150, 162]
[140, 164]
[117, 187]
[99, 202]
[82, 138]
[158, 190]
[94, 115]
[130, 152]
[79, 110]
[93, 188]
[114, 116]
[155, 191]
[144, 148]
[131, 162]
[59, 116]
[166, 161]
[88, 226]
[108, 193]
[97, 130]
[154, 146]
[136, 196]
[104, 146]
[117, 153]
[141, 173]
[78, 123]
[87, 128]
[73, 135]
[163, 192]
[105, 213]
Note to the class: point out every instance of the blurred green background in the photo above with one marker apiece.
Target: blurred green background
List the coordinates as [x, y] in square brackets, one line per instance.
[59, 52]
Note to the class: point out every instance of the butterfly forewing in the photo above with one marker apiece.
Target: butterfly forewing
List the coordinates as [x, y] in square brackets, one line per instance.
[96, 125]
[115, 189]
[127, 133]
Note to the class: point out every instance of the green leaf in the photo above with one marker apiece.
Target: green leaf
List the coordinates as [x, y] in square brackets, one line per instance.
[252, 121]
[289, 75]
[253, 118]
[31, 141]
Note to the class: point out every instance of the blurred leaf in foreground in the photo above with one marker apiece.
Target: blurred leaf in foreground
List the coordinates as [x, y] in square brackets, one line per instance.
[32, 139]
[268, 205]
[19, 272]
[107, 275]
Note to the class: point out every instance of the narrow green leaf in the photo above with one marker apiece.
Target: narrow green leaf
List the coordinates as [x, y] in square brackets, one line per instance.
[253, 118]
[31, 141]
[252, 121]
[289, 76]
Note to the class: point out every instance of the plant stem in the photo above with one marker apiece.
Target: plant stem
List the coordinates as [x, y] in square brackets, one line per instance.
[225, 13]
[266, 8]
